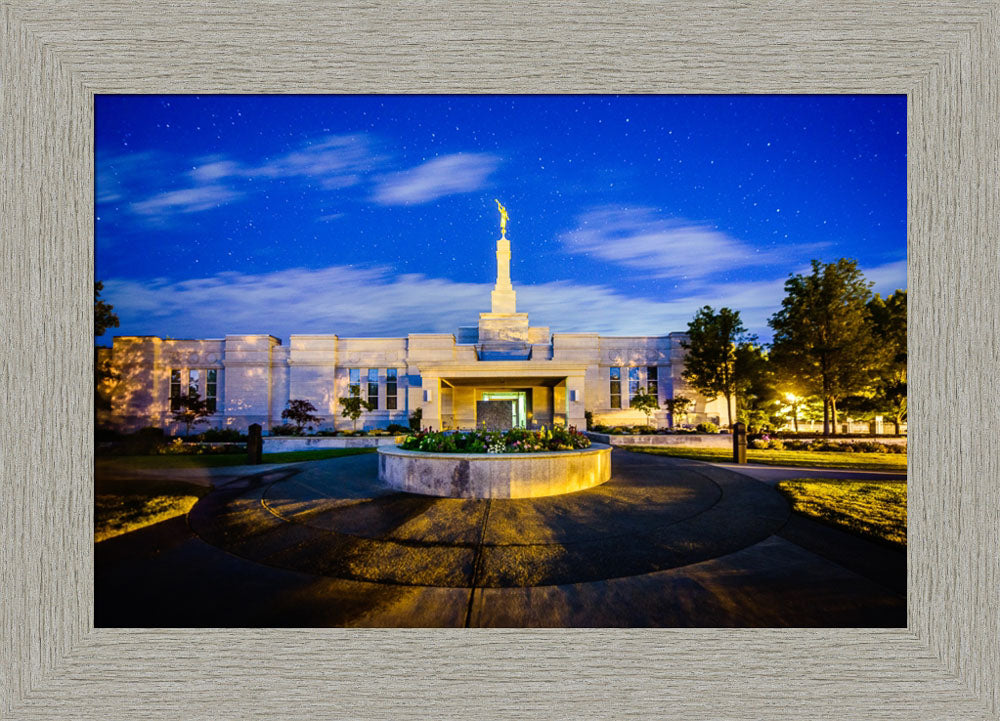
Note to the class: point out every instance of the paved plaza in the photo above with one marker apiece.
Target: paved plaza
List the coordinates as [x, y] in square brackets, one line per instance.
[666, 542]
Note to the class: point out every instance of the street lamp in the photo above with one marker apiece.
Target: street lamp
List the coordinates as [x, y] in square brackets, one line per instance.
[794, 401]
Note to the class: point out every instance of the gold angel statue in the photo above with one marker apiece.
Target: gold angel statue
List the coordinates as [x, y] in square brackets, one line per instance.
[503, 218]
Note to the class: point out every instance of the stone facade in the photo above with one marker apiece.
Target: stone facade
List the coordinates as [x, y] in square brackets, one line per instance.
[251, 378]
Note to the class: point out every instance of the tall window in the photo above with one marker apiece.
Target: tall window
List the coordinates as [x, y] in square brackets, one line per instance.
[193, 377]
[390, 389]
[175, 389]
[652, 381]
[616, 387]
[355, 381]
[633, 382]
[211, 389]
[373, 387]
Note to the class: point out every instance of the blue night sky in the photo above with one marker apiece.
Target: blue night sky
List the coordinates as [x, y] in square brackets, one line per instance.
[374, 215]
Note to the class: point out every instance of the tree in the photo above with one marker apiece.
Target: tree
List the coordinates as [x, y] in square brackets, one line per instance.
[758, 402]
[677, 407]
[354, 405]
[889, 327]
[104, 316]
[716, 354]
[104, 373]
[823, 333]
[191, 410]
[644, 402]
[300, 413]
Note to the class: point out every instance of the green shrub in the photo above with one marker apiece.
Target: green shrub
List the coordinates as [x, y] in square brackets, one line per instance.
[145, 441]
[416, 418]
[221, 435]
[285, 429]
[776, 444]
[707, 428]
[396, 428]
[589, 416]
[757, 444]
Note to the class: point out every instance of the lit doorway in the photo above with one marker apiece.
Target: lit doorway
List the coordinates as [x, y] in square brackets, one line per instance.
[519, 416]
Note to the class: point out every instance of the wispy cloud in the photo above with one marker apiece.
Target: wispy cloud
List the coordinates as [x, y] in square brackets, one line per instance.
[186, 200]
[353, 301]
[447, 175]
[115, 173]
[663, 247]
[336, 161]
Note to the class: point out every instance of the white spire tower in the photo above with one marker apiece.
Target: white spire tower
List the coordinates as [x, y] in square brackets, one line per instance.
[503, 297]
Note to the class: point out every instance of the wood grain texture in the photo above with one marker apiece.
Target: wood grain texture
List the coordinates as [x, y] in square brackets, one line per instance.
[56, 55]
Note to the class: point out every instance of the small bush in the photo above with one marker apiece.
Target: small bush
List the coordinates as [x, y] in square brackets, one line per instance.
[776, 444]
[707, 428]
[416, 418]
[327, 433]
[396, 428]
[589, 416]
[757, 444]
[221, 435]
[144, 441]
[285, 429]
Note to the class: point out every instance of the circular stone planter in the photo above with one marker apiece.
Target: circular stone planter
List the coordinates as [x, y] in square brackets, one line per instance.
[494, 475]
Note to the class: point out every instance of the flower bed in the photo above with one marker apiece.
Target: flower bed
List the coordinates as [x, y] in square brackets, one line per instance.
[494, 475]
[516, 440]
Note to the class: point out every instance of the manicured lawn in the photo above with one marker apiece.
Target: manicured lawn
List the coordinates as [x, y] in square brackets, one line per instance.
[876, 509]
[797, 459]
[123, 506]
[224, 459]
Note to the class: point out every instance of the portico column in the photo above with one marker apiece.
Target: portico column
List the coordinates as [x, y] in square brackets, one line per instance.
[430, 402]
[574, 402]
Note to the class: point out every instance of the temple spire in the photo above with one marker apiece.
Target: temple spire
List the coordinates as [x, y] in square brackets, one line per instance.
[503, 297]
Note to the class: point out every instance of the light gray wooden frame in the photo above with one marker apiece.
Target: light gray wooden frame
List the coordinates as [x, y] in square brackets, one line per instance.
[57, 55]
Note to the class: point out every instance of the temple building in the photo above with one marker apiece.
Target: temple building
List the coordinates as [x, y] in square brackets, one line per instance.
[551, 377]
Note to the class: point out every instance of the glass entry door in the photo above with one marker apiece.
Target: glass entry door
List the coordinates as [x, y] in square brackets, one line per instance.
[519, 415]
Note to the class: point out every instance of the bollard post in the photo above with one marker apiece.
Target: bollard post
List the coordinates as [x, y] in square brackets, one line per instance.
[740, 443]
[255, 445]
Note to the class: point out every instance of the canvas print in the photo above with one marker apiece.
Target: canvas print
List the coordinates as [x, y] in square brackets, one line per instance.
[500, 361]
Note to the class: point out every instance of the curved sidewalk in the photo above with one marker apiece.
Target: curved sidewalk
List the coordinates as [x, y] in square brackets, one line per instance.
[666, 542]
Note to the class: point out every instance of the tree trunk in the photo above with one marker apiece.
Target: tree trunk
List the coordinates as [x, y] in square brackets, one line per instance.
[895, 422]
[729, 410]
[833, 414]
[826, 417]
[795, 417]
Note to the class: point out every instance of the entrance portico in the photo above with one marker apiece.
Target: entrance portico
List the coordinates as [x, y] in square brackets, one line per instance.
[553, 392]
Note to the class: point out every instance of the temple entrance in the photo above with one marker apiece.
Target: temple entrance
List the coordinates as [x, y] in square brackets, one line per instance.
[518, 412]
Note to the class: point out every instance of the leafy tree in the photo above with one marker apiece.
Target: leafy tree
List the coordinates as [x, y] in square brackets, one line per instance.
[823, 333]
[644, 402]
[415, 419]
[677, 407]
[104, 374]
[717, 354]
[104, 316]
[354, 405]
[300, 413]
[191, 410]
[889, 327]
[758, 402]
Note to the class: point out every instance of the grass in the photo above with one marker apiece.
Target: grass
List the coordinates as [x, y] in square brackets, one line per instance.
[875, 509]
[123, 506]
[220, 460]
[797, 459]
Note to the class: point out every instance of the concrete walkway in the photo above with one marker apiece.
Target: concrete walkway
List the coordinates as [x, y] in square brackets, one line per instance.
[774, 474]
[666, 542]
